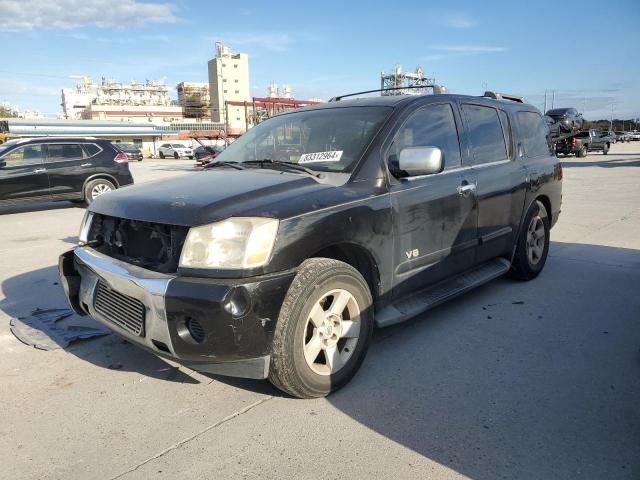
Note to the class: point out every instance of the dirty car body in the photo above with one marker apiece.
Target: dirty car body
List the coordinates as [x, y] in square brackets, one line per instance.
[402, 232]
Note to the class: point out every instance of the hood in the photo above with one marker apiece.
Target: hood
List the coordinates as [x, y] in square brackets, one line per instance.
[213, 195]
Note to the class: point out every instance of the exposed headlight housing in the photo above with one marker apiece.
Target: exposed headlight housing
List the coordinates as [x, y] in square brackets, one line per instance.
[85, 227]
[233, 244]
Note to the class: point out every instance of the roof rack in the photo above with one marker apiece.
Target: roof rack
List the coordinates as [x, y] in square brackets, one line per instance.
[436, 89]
[504, 96]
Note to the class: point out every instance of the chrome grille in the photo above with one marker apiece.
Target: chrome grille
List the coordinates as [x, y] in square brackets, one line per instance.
[124, 311]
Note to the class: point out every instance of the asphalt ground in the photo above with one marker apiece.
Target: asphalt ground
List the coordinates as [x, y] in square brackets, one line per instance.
[513, 380]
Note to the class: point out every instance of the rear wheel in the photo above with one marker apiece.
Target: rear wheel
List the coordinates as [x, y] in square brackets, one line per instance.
[323, 330]
[175, 155]
[161, 155]
[582, 151]
[605, 149]
[97, 187]
[533, 244]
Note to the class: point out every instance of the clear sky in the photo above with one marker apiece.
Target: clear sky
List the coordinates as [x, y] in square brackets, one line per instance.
[588, 51]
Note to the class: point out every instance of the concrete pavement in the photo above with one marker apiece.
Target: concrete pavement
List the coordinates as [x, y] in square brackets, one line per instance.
[514, 380]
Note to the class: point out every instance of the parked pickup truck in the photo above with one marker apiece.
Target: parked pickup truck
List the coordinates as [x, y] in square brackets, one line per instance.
[593, 140]
[279, 264]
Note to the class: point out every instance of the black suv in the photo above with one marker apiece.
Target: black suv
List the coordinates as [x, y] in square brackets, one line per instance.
[77, 169]
[278, 260]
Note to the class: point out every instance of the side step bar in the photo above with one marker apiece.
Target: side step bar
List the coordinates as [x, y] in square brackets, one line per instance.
[423, 300]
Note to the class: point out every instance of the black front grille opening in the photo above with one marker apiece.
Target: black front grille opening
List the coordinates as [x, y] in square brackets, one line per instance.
[153, 246]
[122, 310]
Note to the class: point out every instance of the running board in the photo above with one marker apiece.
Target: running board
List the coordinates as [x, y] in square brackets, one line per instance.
[425, 299]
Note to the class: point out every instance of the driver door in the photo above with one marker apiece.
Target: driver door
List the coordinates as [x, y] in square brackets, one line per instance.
[434, 216]
[23, 174]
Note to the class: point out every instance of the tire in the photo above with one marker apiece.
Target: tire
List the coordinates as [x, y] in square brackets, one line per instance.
[605, 148]
[191, 157]
[161, 155]
[318, 284]
[531, 250]
[175, 155]
[97, 187]
[582, 151]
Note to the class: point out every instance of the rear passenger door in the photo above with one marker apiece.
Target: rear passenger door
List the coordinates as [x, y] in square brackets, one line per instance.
[434, 225]
[68, 166]
[499, 180]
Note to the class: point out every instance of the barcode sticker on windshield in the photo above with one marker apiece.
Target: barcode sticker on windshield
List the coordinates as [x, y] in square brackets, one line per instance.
[333, 156]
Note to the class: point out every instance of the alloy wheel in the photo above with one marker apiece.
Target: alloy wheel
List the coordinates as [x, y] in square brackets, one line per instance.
[535, 240]
[99, 189]
[331, 332]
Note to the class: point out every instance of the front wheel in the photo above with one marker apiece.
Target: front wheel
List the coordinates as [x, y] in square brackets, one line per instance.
[605, 149]
[323, 330]
[175, 155]
[533, 244]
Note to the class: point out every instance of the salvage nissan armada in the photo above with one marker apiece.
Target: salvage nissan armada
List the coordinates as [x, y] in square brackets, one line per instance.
[279, 259]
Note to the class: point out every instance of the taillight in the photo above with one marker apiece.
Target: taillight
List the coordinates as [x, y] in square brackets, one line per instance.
[121, 158]
[573, 141]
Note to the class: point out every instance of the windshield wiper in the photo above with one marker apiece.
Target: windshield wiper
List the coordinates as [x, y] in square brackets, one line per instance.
[291, 165]
[225, 164]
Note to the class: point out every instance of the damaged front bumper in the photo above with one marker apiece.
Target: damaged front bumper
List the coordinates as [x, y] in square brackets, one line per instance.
[220, 326]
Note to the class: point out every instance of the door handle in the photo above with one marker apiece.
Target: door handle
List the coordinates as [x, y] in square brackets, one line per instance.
[40, 170]
[466, 189]
[86, 164]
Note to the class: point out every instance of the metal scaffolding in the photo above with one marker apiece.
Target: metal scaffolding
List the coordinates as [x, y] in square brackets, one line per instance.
[401, 81]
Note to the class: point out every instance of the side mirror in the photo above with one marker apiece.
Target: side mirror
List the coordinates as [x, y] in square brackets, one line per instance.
[3, 163]
[421, 160]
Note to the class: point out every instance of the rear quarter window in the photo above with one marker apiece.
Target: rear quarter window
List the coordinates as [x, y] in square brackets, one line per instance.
[91, 149]
[533, 134]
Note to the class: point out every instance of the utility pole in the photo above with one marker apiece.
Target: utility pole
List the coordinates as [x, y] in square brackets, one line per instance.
[584, 102]
[553, 98]
[611, 119]
[545, 101]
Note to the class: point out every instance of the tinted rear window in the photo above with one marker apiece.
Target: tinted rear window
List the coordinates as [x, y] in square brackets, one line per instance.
[533, 132]
[61, 152]
[557, 111]
[485, 133]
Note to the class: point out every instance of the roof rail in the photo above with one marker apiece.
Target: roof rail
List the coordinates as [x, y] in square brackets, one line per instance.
[436, 89]
[504, 96]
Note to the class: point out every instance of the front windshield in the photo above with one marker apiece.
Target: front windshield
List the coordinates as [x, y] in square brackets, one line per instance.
[330, 140]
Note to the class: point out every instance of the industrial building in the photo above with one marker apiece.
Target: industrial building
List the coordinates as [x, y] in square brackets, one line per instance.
[405, 83]
[229, 82]
[194, 99]
[112, 100]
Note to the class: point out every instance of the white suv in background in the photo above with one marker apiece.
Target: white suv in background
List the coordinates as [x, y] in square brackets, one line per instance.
[175, 150]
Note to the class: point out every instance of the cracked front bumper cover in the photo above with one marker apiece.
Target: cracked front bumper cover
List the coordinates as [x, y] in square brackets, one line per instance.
[237, 316]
